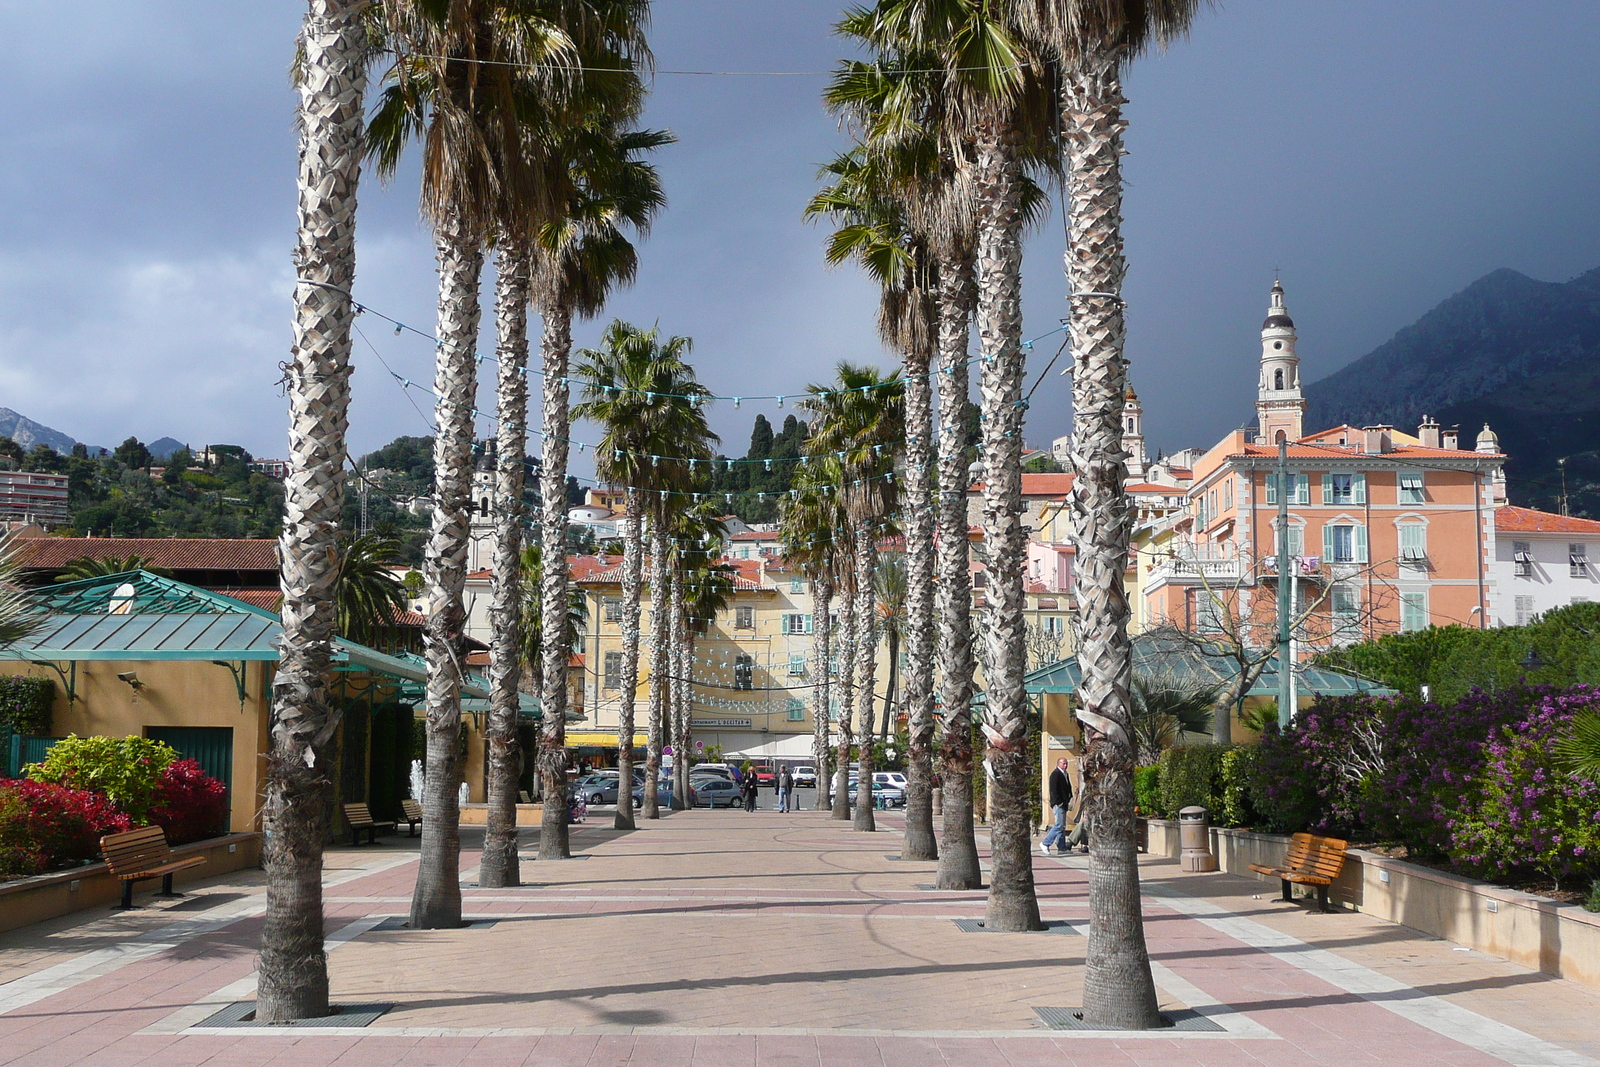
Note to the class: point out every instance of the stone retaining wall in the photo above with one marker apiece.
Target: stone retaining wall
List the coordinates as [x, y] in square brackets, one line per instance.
[45, 896]
[1536, 932]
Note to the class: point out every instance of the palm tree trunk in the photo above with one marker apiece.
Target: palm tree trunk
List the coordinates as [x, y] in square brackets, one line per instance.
[660, 628]
[1118, 990]
[555, 350]
[436, 903]
[919, 842]
[1012, 903]
[632, 578]
[892, 685]
[676, 715]
[866, 557]
[686, 712]
[847, 669]
[822, 654]
[958, 855]
[499, 867]
[292, 970]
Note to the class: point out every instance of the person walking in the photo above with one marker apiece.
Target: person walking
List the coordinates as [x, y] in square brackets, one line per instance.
[1060, 796]
[785, 787]
[749, 786]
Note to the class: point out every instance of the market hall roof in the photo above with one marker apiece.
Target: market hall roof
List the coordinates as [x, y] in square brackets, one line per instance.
[166, 553]
[1177, 662]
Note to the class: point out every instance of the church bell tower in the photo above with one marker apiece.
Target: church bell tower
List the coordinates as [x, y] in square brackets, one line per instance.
[1280, 407]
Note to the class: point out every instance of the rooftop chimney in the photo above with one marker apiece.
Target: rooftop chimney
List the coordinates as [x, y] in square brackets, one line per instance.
[1450, 439]
[1378, 439]
[1428, 432]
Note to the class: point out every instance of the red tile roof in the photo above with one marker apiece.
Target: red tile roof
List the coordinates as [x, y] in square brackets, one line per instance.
[168, 553]
[1039, 485]
[1512, 519]
[1314, 451]
[261, 598]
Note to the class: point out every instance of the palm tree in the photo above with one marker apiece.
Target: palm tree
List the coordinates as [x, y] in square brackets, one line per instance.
[859, 418]
[1161, 712]
[701, 587]
[17, 619]
[478, 183]
[579, 259]
[292, 969]
[807, 530]
[1091, 42]
[369, 594]
[654, 431]
[574, 620]
[889, 589]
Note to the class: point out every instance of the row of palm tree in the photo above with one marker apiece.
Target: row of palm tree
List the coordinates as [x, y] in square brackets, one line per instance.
[963, 103]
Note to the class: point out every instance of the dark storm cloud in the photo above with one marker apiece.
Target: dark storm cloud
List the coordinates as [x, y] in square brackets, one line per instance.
[1383, 155]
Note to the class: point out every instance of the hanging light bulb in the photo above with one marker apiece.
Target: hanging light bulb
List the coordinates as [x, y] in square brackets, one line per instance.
[397, 329]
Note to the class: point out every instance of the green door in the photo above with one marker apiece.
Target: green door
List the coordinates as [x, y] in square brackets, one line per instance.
[209, 746]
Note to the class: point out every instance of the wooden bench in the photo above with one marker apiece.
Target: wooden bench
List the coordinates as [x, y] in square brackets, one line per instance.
[1312, 860]
[143, 853]
[411, 812]
[524, 798]
[360, 819]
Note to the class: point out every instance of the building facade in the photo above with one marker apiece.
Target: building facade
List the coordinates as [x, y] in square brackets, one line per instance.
[1542, 561]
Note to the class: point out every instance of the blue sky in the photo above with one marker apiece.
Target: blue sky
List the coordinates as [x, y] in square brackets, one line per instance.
[1382, 155]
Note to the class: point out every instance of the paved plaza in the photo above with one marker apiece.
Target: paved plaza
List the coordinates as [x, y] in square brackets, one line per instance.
[724, 938]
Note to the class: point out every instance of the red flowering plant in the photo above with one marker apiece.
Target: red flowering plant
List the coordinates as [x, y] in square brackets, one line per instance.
[189, 804]
[1523, 812]
[44, 826]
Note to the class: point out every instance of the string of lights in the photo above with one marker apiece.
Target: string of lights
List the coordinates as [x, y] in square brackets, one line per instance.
[580, 68]
[699, 398]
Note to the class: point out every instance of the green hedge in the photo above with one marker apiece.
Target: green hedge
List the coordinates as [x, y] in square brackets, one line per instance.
[1223, 779]
[1191, 774]
[1147, 790]
[25, 704]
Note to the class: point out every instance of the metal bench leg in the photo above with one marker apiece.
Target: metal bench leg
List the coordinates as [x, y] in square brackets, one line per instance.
[355, 837]
[127, 894]
[1322, 898]
[1288, 894]
[166, 887]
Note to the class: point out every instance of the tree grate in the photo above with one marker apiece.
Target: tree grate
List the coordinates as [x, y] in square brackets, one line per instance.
[1181, 1019]
[400, 922]
[975, 926]
[928, 887]
[243, 1013]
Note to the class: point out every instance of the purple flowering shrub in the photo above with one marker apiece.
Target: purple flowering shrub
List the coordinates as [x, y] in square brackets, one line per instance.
[1524, 812]
[1322, 772]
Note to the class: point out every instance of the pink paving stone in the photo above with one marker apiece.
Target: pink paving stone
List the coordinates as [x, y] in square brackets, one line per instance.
[849, 1051]
[970, 1051]
[724, 1051]
[787, 1051]
[563, 1050]
[373, 1051]
[663, 1050]
[612, 1050]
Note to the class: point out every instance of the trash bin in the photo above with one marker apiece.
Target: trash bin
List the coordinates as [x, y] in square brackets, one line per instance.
[1194, 836]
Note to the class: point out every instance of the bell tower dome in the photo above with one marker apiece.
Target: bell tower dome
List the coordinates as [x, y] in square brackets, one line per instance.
[1133, 435]
[1280, 407]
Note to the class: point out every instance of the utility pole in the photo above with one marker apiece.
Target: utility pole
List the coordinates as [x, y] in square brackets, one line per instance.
[1562, 463]
[1285, 679]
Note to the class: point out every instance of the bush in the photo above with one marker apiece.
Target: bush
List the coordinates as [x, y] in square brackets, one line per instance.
[43, 826]
[1522, 811]
[1592, 901]
[1280, 784]
[189, 804]
[1147, 790]
[1191, 774]
[1238, 770]
[126, 770]
[25, 704]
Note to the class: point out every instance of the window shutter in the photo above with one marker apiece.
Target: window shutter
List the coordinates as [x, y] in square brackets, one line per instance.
[1327, 542]
[1302, 489]
[1272, 487]
[809, 623]
[1360, 540]
[1327, 488]
[1360, 483]
[1297, 541]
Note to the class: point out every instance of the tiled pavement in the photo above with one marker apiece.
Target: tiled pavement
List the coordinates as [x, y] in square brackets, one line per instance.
[715, 938]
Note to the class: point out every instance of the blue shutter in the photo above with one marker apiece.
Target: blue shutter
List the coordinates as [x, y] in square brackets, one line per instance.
[1360, 540]
[809, 623]
[1327, 543]
[1360, 482]
[1272, 487]
[1302, 489]
[1327, 488]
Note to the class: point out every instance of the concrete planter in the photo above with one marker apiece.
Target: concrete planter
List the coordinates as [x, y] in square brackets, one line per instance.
[1536, 932]
[45, 896]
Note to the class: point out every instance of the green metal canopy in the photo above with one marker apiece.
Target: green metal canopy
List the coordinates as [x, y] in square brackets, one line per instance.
[137, 616]
[1182, 664]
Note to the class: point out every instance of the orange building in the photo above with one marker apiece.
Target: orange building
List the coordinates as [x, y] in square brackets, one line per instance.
[1387, 531]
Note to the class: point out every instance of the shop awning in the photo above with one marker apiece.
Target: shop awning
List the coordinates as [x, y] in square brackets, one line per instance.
[601, 739]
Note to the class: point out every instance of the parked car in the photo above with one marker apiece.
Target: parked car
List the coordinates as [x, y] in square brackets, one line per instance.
[714, 791]
[603, 788]
[663, 793]
[894, 778]
[711, 770]
[805, 777]
[885, 795]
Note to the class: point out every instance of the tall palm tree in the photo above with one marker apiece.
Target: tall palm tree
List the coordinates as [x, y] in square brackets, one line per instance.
[860, 423]
[701, 587]
[654, 431]
[1092, 40]
[370, 594]
[574, 620]
[875, 198]
[579, 259]
[478, 183]
[807, 527]
[890, 592]
[292, 969]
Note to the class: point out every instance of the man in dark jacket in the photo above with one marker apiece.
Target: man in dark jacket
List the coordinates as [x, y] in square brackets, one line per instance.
[1060, 797]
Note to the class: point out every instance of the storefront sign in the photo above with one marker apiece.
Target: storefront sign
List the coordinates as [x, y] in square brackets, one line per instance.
[722, 724]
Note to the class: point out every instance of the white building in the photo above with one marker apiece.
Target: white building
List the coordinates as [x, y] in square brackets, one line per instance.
[1542, 561]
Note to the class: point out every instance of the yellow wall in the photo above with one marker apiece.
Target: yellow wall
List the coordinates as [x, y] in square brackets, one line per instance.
[173, 693]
